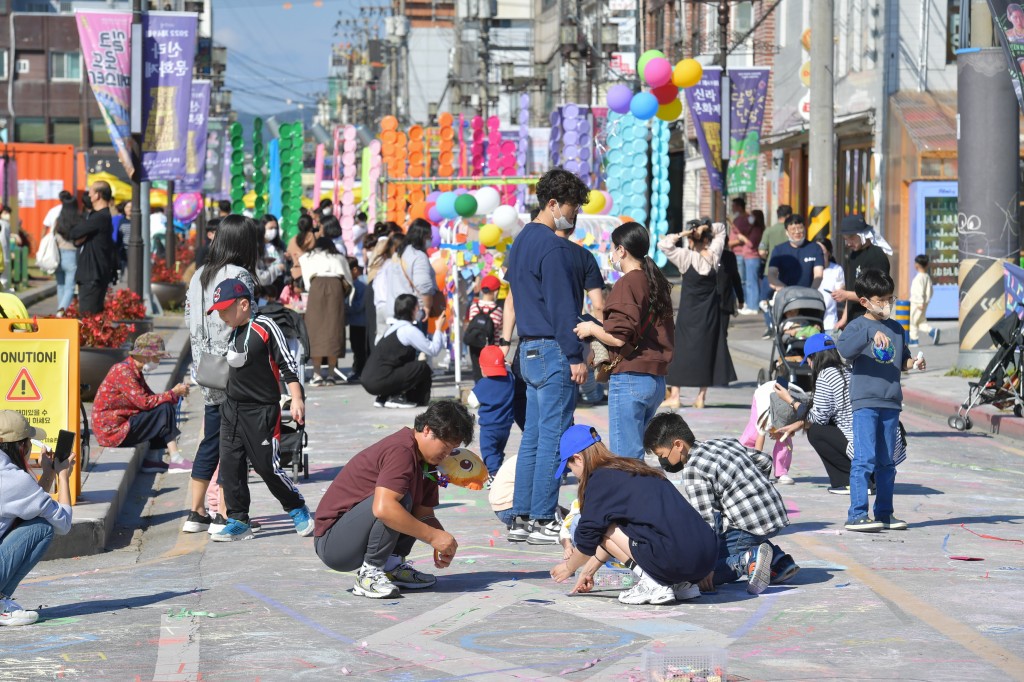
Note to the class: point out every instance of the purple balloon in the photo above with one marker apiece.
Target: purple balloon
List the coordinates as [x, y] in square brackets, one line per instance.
[435, 235]
[619, 97]
[434, 215]
[432, 197]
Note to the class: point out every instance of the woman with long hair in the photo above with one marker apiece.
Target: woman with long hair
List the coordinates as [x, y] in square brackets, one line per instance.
[630, 512]
[68, 217]
[328, 281]
[410, 271]
[377, 312]
[233, 254]
[638, 330]
[301, 243]
[272, 264]
[701, 354]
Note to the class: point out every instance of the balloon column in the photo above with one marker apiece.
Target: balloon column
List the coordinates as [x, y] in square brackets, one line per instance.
[393, 156]
[626, 165]
[524, 144]
[476, 147]
[348, 181]
[571, 140]
[259, 165]
[372, 154]
[291, 176]
[237, 168]
[659, 188]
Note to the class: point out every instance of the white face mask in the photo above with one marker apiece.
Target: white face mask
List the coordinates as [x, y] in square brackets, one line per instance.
[616, 264]
[882, 311]
[150, 367]
[270, 235]
[561, 223]
[328, 210]
[234, 358]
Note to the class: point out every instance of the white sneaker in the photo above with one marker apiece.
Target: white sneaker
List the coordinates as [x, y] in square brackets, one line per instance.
[746, 311]
[685, 591]
[647, 591]
[11, 614]
[373, 582]
[786, 480]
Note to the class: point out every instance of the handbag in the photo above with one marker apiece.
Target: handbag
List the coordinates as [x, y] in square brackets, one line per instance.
[212, 369]
[48, 255]
[603, 369]
[782, 413]
[438, 300]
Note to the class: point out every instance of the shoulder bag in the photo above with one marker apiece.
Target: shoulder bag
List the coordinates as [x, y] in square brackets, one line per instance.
[211, 369]
[437, 301]
[603, 369]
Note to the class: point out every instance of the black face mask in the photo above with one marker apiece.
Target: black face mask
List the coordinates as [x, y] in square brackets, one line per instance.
[669, 467]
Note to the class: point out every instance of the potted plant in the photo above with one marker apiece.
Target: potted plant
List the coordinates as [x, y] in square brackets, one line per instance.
[105, 338]
[167, 285]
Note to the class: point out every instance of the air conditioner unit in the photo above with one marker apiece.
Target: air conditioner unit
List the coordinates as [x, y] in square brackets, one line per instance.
[21, 66]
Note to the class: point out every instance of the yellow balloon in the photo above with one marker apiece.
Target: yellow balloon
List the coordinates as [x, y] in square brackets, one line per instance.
[671, 111]
[490, 235]
[595, 203]
[687, 73]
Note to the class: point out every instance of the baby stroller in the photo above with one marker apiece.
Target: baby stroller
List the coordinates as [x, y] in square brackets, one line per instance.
[1000, 383]
[797, 312]
[293, 439]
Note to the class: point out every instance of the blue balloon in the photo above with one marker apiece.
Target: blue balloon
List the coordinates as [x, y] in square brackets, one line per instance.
[644, 105]
[446, 205]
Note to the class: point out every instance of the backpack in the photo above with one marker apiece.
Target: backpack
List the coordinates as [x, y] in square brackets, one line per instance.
[48, 255]
[479, 330]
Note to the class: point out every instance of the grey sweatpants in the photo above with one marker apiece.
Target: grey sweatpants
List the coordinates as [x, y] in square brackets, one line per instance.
[360, 537]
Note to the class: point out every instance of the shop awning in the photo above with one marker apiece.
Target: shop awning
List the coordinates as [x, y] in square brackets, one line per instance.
[929, 119]
[853, 125]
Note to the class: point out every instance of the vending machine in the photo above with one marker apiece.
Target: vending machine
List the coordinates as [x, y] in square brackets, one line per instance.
[933, 231]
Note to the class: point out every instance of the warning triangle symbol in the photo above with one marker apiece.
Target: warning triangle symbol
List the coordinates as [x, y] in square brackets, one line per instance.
[24, 388]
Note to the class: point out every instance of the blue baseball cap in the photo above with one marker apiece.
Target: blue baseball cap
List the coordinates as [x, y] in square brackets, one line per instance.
[816, 344]
[576, 438]
[227, 292]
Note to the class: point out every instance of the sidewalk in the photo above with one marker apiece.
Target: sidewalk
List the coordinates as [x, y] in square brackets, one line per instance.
[930, 392]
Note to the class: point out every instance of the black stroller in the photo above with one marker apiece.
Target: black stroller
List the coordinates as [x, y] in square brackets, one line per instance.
[805, 308]
[293, 440]
[1000, 383]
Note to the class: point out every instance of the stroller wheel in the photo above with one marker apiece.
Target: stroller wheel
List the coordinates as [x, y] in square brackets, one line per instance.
[1018, 410]
[762, 376]
[957, 422]
[305, 465]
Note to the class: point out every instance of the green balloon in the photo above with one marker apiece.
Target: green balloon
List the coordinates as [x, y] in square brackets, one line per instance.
[286, 197]
[237, 156]
[237, 206]
[646, 57]
[465, 205]
[236, 129]
[257, 123]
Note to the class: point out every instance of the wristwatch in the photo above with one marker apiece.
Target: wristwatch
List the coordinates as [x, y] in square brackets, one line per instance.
[504, 342]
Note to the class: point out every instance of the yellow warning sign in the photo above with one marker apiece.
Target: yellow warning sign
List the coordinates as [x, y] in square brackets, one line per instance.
[24, 388]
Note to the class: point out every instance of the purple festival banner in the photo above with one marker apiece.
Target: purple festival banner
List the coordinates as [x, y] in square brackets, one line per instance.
[195, 145]
[169, 42]
[106, 53]
[705, 100]
[748, 94]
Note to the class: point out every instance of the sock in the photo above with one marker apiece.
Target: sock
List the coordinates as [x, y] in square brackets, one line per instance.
[366, 566]
[393, 562]
[633, 566]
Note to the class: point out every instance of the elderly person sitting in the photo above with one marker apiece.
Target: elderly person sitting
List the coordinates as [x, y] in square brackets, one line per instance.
[126, 412]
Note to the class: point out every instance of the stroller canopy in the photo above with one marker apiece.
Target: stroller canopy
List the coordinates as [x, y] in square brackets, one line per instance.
[805, 299]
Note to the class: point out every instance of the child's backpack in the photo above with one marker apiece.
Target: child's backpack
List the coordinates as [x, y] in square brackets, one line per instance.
[479, 330]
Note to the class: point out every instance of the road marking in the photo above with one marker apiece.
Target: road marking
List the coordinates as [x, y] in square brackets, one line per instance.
[953, 629]
[177, 655]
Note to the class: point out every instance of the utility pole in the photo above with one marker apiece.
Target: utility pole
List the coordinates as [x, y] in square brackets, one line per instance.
[170, 238]
[136, 252]
[483, 15]
[821, 161]
[723, 59]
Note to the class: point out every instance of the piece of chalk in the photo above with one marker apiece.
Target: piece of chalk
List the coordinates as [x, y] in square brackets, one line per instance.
[967, 558]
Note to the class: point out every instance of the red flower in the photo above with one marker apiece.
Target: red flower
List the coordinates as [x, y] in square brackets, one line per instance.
[107, 329]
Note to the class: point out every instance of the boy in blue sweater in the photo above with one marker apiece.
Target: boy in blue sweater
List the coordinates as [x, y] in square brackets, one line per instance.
[355, 314]
[874, 345]
[494, 391]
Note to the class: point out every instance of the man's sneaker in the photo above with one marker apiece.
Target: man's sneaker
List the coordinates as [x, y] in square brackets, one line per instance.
[153, 466]
[935, 336]
[380, 401]
[784, 479]
[543, 533]
[489, 482]
[374, 583]
[839, 490]
[892, 523]
[784, 570]
[864, 524]
[11, 614]
[235, 530]
[759, 568]
[317, 380]
[647, 591]
[519, 530]
[763, 305]
[399, 404]
[217, 525]
[767, 334]
[685, 591]
[303, 521]
[196, 523]
[408, 578]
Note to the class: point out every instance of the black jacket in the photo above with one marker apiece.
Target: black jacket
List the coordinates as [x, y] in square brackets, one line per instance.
[97, 257]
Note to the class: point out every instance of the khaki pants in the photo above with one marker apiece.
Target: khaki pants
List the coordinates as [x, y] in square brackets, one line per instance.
[918, 323]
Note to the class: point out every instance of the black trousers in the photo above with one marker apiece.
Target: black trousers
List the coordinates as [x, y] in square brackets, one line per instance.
[359, 537]
[90, 296]
[360, 348]
[474, 360]
[412, 380]
[830, 444]
[158, 427]
[252, 430]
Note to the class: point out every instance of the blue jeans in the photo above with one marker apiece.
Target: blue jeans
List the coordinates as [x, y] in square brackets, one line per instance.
[208, 454]
[550, 401]
[493, 439]
[733, 544]
[66, 277]
[21, 549]
[590, 390]
[766, 295]
[506, 516]
[751, 284]
[633, 400]
[875, 431]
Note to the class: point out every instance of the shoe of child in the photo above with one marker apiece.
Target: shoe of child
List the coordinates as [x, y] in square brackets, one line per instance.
[685, 591]
[759, 568]
[784, 570]
[892, 523]
[180, 465]
[489, 483]
[763, 305]
[234, 530]
[519, 530]
[864, 524]
[302, 520]
[647, 591]
[373, 582]
[12, 615]
[217, 525]
[408, 578]
[785, 479]
[542, 533]
[196, 523]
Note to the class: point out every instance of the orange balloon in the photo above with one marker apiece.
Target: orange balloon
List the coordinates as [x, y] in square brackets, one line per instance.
[416, 133]
[445, 119]
[626, 219]
[418, 210]
[389, 123]
[460, 239]
[417, 196]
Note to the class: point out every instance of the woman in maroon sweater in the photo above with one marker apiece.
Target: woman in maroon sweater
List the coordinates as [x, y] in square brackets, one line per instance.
[639, 332]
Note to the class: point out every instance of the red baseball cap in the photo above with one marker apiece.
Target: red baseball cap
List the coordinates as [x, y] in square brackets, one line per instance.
[490, 283]
[492, 362]
[227, 292]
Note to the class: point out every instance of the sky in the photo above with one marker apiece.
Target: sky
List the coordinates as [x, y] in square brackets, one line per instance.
[277, 54]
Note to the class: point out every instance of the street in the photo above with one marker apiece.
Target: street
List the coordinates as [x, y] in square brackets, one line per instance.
[167, 606]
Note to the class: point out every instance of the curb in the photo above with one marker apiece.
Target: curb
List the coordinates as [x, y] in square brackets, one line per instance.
[37, 294]
[113, 472]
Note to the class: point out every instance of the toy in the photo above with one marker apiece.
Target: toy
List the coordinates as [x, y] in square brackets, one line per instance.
[465, 469]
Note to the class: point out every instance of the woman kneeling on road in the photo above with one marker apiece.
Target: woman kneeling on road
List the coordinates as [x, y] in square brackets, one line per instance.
[29, 517]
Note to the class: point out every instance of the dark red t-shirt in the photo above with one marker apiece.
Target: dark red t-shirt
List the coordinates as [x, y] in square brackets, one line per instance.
[393, 463]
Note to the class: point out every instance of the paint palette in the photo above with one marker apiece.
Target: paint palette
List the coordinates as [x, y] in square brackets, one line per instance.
[614, 577]
[686, 665]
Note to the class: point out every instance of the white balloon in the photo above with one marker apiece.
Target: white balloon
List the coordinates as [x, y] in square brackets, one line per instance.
[505, 217]
[487, 200]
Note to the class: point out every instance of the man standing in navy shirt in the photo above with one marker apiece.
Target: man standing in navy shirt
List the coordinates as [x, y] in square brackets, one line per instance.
[545, 277]
[798, 262]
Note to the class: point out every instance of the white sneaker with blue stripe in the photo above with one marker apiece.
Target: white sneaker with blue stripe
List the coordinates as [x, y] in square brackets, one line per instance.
[303, 521]
[234, 530]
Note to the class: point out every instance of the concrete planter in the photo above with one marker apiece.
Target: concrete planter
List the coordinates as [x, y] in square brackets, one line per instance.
[93, 364]
[170, 295]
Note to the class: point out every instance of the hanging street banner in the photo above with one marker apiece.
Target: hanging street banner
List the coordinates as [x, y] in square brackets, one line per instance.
[195, 145]
[1013, 286]
[705, 100]
[1009, 17]
[105, 38]
[169, 49]
[748, 94]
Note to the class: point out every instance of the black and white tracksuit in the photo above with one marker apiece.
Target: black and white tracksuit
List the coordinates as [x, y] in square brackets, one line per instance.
[251, 418]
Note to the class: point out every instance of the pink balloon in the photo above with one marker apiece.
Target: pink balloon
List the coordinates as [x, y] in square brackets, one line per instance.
[608, 203]
[658, 72]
